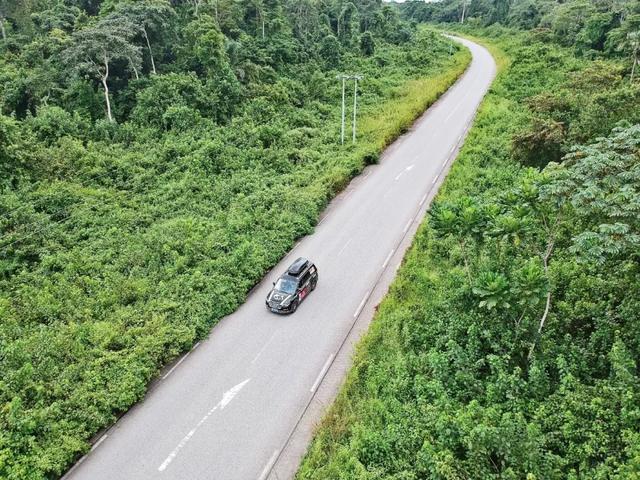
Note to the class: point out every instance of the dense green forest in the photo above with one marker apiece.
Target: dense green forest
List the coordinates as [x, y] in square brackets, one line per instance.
[508, 346]
[591, 27]
[156, 158]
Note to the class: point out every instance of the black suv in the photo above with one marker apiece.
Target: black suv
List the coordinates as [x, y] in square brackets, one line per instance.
[293, 286]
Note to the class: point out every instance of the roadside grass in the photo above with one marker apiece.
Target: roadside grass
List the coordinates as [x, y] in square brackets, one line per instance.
[380, 125]
[393, 118]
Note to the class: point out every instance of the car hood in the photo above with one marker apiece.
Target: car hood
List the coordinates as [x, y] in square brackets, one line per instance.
[276, 297]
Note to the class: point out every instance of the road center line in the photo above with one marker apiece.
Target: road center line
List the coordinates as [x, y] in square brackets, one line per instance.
[386, 261]
[450, 113]
[343, 247]
[264, 347]
[173, 454]
[460, 102]
[267, 468]
[398, 176]
[226, 399]
[453, 111]
[322, 373]
[364, 299]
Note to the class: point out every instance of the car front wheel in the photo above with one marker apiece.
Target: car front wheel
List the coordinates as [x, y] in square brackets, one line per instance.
[294, 305]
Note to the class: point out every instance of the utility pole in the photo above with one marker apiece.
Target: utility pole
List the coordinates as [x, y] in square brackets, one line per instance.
[344, 78]
[355, 103]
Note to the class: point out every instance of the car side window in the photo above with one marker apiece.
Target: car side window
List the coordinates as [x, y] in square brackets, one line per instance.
[305, 278]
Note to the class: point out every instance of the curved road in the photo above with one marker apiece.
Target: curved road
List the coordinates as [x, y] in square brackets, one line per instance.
[229, 408]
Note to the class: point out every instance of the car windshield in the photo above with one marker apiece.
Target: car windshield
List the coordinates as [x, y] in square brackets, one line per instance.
[285, 285]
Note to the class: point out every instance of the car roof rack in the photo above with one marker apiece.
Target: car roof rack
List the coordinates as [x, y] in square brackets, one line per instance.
[298, 266]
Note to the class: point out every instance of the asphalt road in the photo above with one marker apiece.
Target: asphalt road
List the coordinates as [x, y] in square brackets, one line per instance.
[227, 409]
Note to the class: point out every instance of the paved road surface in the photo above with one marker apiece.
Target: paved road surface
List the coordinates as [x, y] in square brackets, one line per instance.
[226, 411]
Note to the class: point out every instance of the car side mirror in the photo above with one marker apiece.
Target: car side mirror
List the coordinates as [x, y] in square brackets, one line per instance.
[273, 283]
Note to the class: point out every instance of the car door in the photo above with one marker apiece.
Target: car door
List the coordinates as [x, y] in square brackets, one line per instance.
[313, 271]
[305, 285]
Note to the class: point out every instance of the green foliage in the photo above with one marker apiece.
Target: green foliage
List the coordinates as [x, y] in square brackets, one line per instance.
[330, 51]
[601, 183]
[170, 91]
[508, 344]
[492, 289]
[13, 153]
[367, 44]
[592, 28]
[124, 242]
[52, 123]
[93, 50]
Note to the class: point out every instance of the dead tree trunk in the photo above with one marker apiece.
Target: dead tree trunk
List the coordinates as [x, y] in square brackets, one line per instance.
[104, 79]
[135, 70]
[545, 262]
[146, 37]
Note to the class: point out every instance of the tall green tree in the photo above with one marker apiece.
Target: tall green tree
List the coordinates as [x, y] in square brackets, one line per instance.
[631, 46]
[305, 19]
[94, 49]
[347, 23]
[367, 44]
[151, 18]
